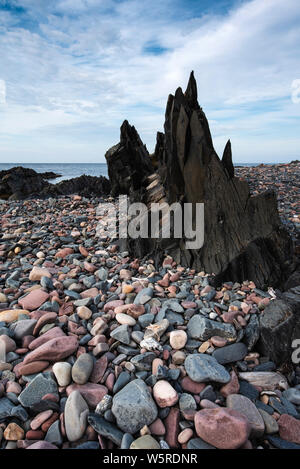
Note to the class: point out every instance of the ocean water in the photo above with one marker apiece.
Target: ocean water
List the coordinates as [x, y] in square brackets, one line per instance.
[66, 170]
[73, 170]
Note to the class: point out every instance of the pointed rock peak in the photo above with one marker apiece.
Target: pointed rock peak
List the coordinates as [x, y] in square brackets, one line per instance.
[191, 91]
[227, 159]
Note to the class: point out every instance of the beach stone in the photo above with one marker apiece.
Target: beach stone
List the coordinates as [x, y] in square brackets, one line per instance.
[291, 394]
[6, 407]
[122, 334]
[13, 432]
[36, 390]
[191, 386]
[202, 368]
[62, 372]
[198, 443]
[164, 394]
[289, 428]
[244, 406]
[40, 419]
[37, 273]
[53, 434]
[157, 428]
[178, 339]
[222, 428]
[30, 368]
[54, 349]
[84, 312]
[23, 327]
[125, 319]
[53, 333]
[91, 392]
[185, 435]
[133, 407]
[143, 361]
[42, 445]
[75, 413]
[232, 387]
[105, 428]
[8, 343]
[218, 341]
[271, 425]
[203, 329]
[82, 368]
[172, 427]
[230, 353]
[34, 299]
[143, 296]
[11, 315]
[145, 442]
[62, 253]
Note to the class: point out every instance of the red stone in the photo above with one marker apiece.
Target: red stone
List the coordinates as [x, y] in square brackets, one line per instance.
[289, 428]
[30, 368]
[223, 428]
[172, 427]
[191, 386]
[91, 392]
[55, 332]
[34, 299]
[232, 387]
[53, 350]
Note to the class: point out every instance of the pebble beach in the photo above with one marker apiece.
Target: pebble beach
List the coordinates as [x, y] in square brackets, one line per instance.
[102, 351]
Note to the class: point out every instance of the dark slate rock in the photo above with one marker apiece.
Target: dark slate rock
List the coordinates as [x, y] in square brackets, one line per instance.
[202, 328]
[281, 444]
[6, 407]
[143, 361]
[36, 389]
[202, 368]
[106, 429]
[198, 443]
[230, 353]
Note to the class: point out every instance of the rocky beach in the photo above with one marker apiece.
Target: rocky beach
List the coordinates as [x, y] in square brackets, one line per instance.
[109, 345]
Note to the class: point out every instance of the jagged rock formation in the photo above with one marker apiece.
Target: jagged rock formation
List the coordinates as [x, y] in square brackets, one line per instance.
[128, 163]
[20, 183]
[243, 237]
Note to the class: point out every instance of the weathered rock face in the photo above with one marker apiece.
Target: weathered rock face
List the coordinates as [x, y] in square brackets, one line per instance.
[128, 163]
[83, 185]
[243, 235]
[20, 182]
[280, 326]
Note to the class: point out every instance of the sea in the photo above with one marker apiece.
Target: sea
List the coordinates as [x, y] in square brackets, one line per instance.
[73, 170]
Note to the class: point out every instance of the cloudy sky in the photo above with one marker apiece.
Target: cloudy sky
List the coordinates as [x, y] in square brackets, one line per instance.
[72, 70]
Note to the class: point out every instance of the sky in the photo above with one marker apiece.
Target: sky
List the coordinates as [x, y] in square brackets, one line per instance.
[72, 70]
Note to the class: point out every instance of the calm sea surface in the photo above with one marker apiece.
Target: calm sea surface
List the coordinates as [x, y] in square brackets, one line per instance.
[72, 170]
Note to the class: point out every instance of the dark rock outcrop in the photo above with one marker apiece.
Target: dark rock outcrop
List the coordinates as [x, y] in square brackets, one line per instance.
[243, 235]
[21, 183]
[128, 163]
[280, 326]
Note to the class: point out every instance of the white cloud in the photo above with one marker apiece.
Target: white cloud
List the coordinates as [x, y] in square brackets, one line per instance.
[2, 92]
[82, 64]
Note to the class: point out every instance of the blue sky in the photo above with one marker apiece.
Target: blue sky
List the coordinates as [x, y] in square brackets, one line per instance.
[72, 70]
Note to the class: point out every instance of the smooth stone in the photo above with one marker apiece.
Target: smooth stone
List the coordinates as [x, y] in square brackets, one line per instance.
[54, 350]
[105, 429]
[203, 329]
[143, 296]
[198, 443]
[122, 380]
[42, 445]
[84, 312]
[292, 395]
[23, 328]
[289, 428]
[37, 273]
[82, 368]
[123, 318]
[279, 443]
[143, 361]
[133, 407]
[178, 339]
[36, 389]
[122, 334]
[91, 392]
[51, 334]
[34, 299]
[13, 432]
[164, 394]
[126, 441]
[244, 406]
[202, 368]
[271, 425]
[222, 428]
[230, 353]
[7, 343]
[40, 419]
[75, 414]
[62, 372]
[53, 434]
[12, 315]
[6, 407]
[145, 442]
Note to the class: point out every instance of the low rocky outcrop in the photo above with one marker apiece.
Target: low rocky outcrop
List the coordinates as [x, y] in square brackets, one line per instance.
[21, 183]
